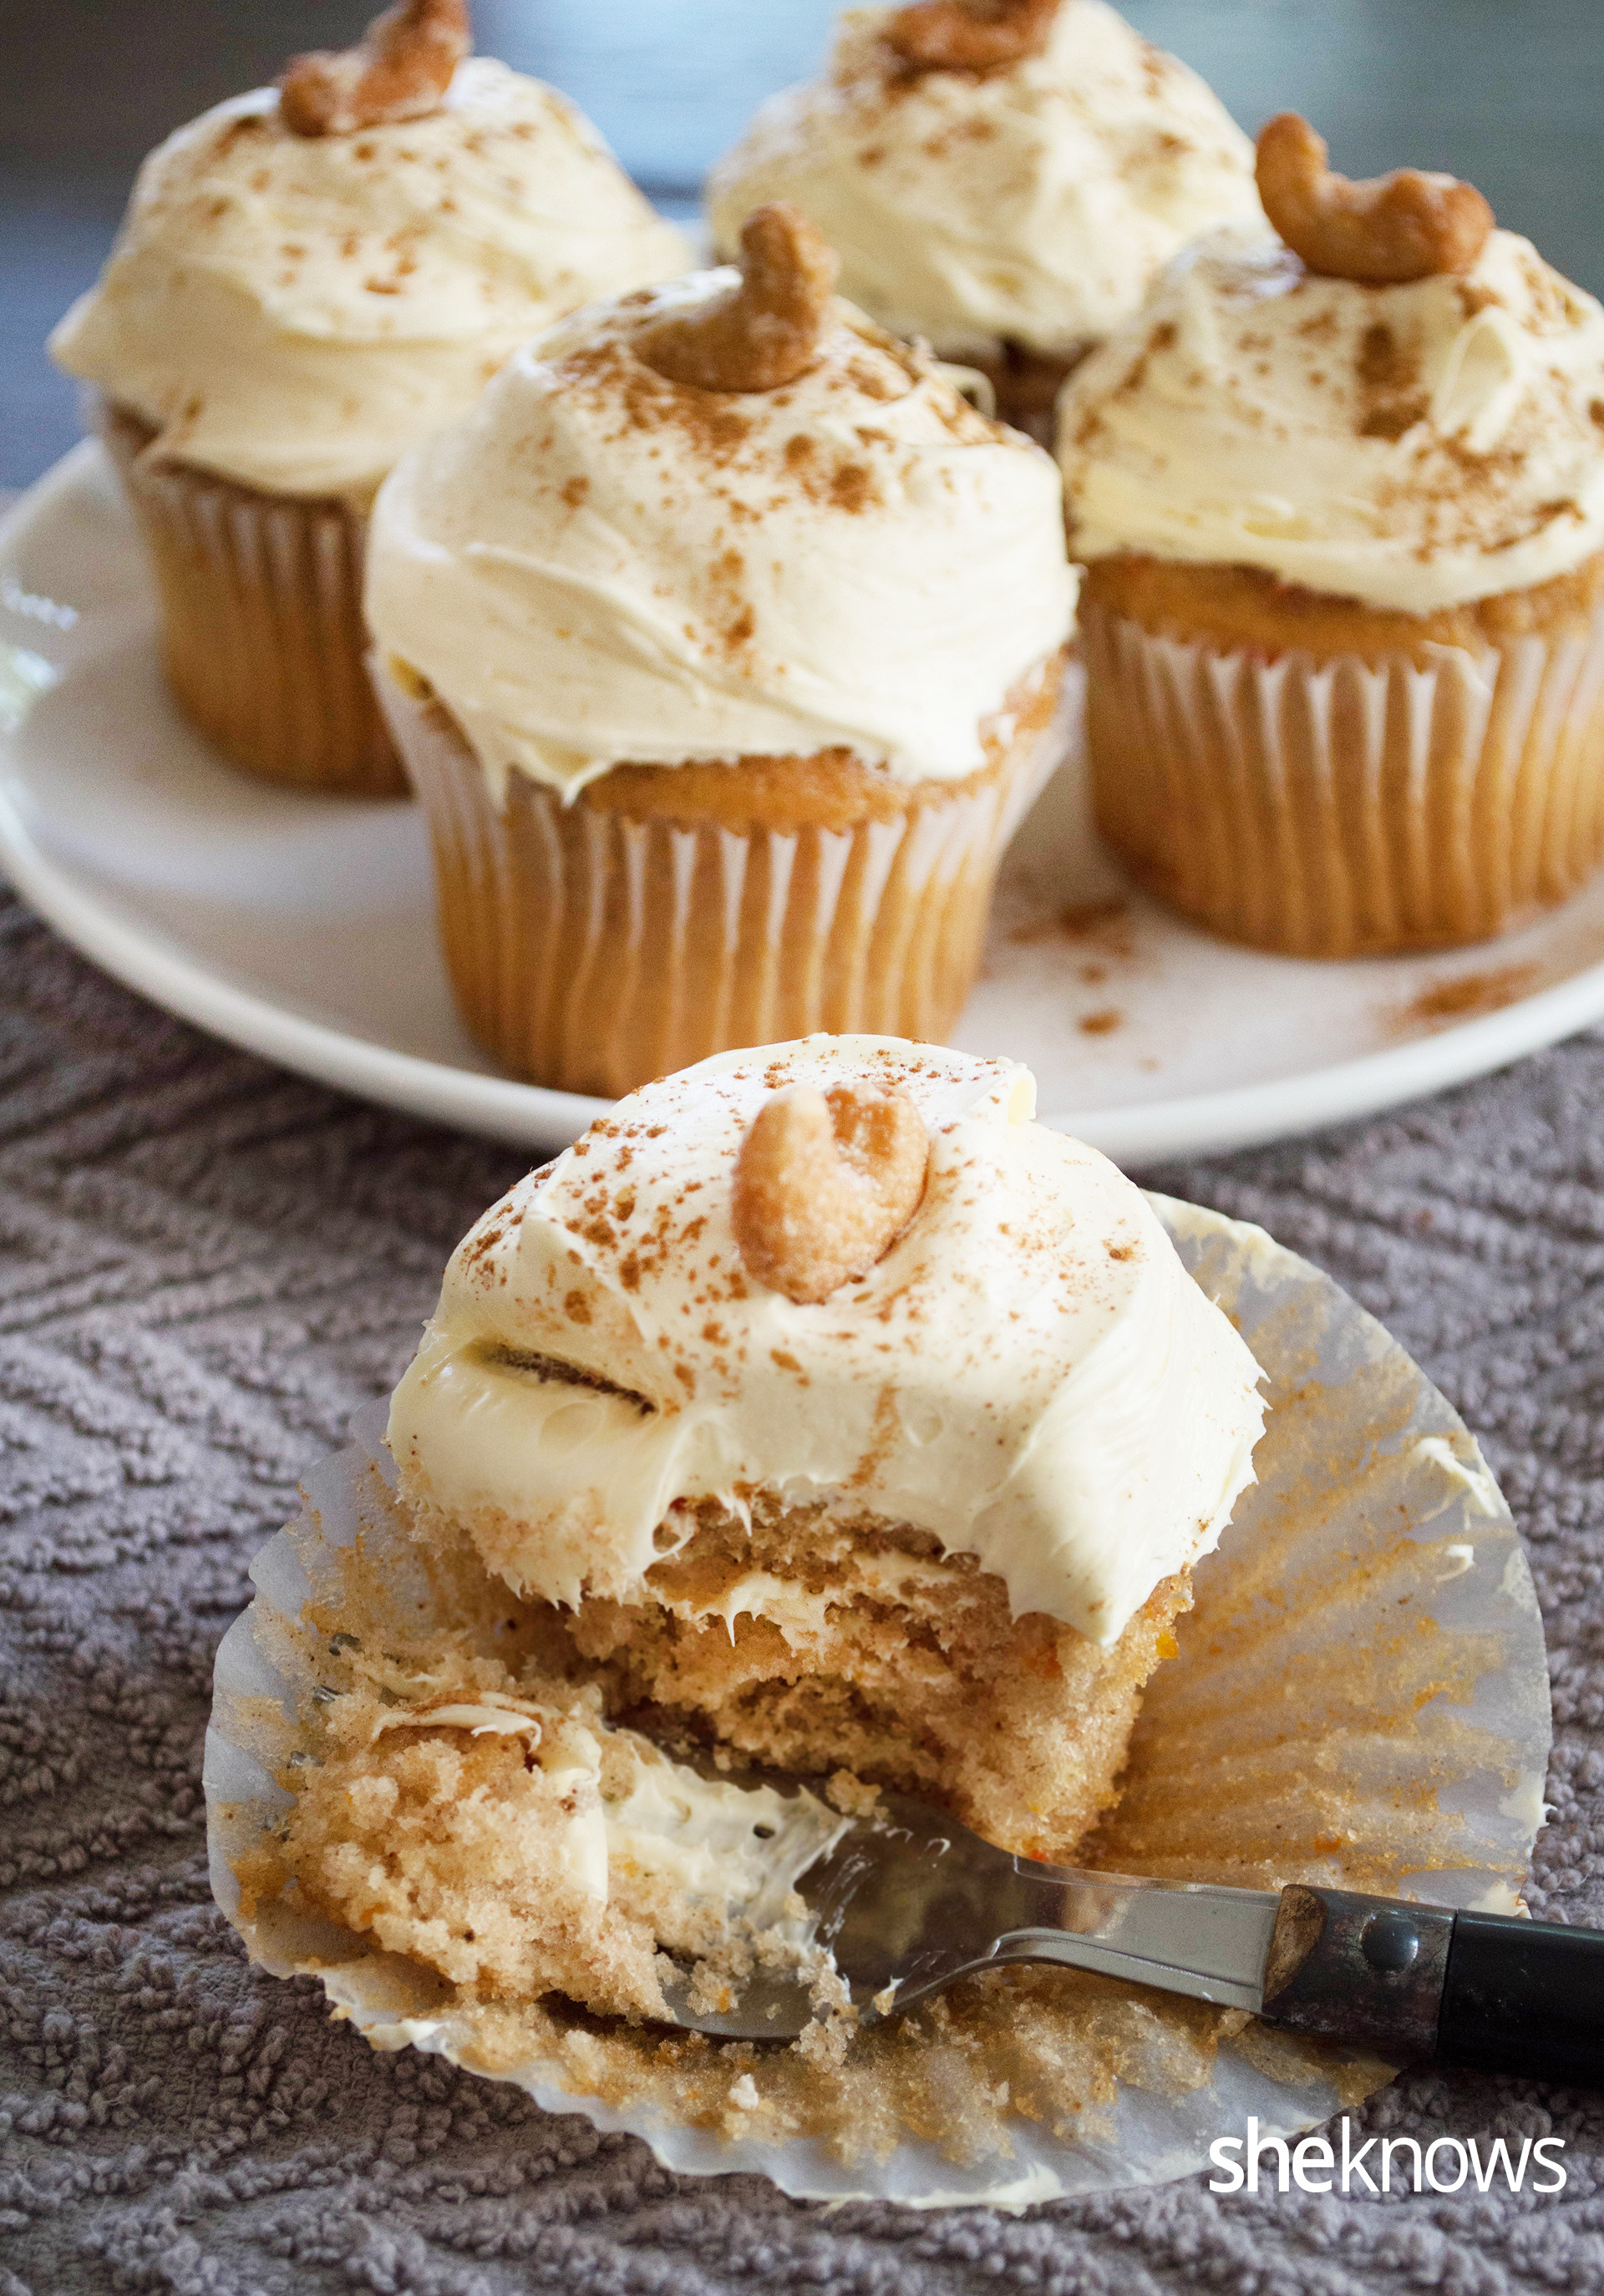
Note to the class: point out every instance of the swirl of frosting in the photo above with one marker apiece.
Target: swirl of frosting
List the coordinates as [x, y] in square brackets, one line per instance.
[600, 565]
[294, 312]
[1031, 205]
[1413, 447]
[1029, 1373]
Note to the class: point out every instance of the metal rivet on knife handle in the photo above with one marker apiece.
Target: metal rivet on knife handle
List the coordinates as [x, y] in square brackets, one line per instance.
[1359, 1969]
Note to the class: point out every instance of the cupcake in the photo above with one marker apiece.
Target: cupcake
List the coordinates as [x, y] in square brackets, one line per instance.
[719, 639]
[1340, 497]
[1004, 181]
[310, 279]
[821, 1408]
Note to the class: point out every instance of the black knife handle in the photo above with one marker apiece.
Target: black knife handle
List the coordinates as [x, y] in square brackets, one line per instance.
[1481, 1990]
[1524, 1998]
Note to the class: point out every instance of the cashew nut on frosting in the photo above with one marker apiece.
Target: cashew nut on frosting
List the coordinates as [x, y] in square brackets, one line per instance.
[824, 1184]
[764, 332]
[400, 71]
[968, 36]
[1380, 232]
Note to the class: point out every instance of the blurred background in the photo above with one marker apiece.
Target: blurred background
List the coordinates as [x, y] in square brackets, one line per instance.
[1508, 93]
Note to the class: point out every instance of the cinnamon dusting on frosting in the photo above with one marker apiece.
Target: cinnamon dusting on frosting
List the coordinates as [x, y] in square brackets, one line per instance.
[1091, 156]
[294, 311]
[853, 563]
[1414, 446]
[1064, 1404]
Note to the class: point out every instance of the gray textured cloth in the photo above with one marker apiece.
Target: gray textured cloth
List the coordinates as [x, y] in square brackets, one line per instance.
[207, 1266]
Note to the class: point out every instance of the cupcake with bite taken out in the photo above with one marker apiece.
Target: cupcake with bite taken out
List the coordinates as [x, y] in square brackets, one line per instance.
[1340, 498]
[720, 640]
[309, 279]
[1001, 177]
[821, 1407]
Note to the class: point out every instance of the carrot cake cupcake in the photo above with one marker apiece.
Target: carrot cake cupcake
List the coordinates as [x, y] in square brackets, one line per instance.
[820, 1407]
[1004, 180]
[1340, 496]
[309, 279]
[719, 639]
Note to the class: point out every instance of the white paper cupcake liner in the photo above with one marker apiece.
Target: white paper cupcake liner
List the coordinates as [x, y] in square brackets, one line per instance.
[263, 635]
[1359, 1696]
[1348, 808]
[592, 951]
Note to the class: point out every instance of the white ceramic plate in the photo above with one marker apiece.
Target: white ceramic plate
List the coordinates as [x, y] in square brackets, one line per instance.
[301, 928]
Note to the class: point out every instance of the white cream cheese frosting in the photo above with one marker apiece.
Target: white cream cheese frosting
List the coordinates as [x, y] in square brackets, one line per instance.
[1412, 447]
[1029, 1373]
[1032, 205]
[294, 312]
[598, 565]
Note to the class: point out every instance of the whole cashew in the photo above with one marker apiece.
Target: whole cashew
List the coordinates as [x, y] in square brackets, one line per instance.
[1391, 228]
[764, 332]
[968, 36]
[400, 71]
[824, 1184]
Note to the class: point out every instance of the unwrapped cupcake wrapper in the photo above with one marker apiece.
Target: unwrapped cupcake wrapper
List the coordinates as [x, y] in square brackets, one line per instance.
[1359, 1699]
[591, 952]
[1347, 808]
[263, 636]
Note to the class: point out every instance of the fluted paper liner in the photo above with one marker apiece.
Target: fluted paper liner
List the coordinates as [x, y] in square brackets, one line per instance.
[591, 952]
[262, 630]
[1348, 808]
[1359, 1697]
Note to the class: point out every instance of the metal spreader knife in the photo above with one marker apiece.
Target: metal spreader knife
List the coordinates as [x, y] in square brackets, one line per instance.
[907, 1900]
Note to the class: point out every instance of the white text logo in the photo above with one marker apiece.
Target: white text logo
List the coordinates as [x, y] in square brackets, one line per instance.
[1383, 2164]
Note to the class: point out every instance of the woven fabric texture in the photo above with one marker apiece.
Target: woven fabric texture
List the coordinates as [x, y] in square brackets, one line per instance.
[207, 1266]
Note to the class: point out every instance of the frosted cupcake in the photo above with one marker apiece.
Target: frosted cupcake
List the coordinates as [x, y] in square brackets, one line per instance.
[824, 1406]
[719, 640]
[1341, 499]
[818, 1406]
[1004, 181]
[309, 279]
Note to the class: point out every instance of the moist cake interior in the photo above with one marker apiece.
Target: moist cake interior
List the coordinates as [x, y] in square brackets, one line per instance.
[815, 1639]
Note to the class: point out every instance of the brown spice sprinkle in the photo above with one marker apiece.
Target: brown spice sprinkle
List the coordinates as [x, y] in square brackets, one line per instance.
[1105, 924]
[1388, 376]
[972, 37]
[765, 333]
[1463, 997]
[1382, 365]
[711, 426]
[400, 70]
[824, 1184]
[1387, 230]
[1391, 420]
[852, 488]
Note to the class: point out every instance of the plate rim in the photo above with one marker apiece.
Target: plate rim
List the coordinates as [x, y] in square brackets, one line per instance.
[537, 1117]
